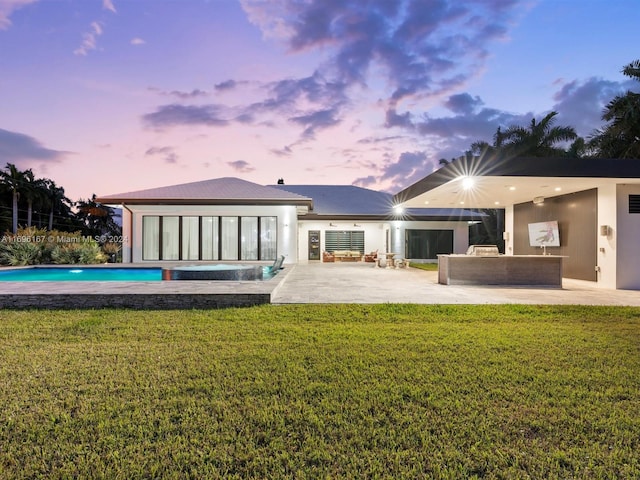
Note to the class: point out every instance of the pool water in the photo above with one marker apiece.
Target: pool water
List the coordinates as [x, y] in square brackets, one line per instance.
[81, 274]
[91, 274]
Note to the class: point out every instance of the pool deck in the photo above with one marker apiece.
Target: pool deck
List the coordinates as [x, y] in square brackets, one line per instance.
[160, 295]
[303, 283]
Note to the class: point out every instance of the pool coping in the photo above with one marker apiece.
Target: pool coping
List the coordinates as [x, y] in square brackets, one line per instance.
[163, 295]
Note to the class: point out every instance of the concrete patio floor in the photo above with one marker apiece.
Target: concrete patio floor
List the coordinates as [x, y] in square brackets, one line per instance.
[303, 283]
[364, 283]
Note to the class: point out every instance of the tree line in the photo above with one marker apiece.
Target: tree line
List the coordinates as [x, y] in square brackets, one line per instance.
[28, 201]
[618, 138]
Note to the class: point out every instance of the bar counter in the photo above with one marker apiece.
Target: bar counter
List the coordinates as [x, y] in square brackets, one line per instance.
[534, 270]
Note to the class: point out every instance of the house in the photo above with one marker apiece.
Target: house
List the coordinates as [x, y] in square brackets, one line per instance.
[346, 217]
[229, 219]
[595, 202]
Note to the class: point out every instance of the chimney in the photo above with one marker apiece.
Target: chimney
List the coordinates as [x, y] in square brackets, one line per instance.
[281, 181]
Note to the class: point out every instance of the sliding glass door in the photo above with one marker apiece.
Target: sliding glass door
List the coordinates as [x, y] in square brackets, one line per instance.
[209, 238]
[249, 238]
[190, 240]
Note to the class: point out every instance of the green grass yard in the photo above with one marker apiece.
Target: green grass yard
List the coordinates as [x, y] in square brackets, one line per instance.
[313, 391]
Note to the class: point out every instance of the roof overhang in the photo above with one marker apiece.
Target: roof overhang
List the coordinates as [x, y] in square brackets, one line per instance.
[474, 183]
[308, 203]
[456, 215]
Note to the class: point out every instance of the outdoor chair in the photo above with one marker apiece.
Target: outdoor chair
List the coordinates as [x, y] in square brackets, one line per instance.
[328, 257]
[371, 257]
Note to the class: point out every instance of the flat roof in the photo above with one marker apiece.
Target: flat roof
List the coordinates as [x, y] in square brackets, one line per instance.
[489, 183]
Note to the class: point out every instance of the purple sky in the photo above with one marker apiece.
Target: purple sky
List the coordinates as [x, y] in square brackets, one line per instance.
[108, 96]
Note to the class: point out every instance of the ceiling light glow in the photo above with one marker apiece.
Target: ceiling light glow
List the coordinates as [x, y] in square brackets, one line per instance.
[467, 183]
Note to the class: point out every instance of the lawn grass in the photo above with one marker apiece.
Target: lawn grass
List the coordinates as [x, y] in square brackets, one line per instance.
[429, 267]
[313, 391]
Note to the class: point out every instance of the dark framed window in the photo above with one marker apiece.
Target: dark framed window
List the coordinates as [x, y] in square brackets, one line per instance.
[344, 240]
[428, 244]
[172, 237]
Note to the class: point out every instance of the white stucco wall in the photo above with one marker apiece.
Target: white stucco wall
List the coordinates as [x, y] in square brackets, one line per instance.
[509, 228]
[628, 240]
[127, 238]
[287, 223]
[607, 244]
[375, 234]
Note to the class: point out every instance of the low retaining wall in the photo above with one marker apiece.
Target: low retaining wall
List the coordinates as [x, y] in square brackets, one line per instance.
[142, 301]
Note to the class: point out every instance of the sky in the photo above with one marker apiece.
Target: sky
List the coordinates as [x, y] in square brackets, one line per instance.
[110, 96]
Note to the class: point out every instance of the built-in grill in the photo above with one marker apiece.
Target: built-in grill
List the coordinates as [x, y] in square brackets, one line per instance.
[483, 250]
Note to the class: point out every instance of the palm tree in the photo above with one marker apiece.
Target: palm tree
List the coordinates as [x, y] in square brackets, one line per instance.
[621, 137]
[33, 189]
[539, 139]
[14, 179]
[56, 200]
[482, 148]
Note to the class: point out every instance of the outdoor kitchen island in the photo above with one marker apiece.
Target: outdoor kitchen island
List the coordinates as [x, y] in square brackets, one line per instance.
[533, 270]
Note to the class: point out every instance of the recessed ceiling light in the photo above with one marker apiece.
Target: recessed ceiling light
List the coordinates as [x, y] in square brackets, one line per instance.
[557, 189]
[467, 183]
[496, 203]
[512, 187]
[462, 203]
[426, 202]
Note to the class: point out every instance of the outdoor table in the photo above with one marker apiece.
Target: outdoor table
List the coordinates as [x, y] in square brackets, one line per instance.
[387, 257]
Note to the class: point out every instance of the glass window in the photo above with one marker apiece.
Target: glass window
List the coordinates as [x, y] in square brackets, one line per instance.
[229, 238]
[249, 238]
[428, 244]
[190, 238]
[268, 237]
[150, 238]
[170, 238]
[214, 238]
[209, 238]
[346, 240]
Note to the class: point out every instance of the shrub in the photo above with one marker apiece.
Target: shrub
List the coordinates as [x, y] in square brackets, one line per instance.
[112, 251]
[81, 252]
[32, 246]
[16, 253]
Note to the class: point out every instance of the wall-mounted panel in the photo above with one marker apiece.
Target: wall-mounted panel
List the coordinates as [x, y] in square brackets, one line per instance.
[577, 218]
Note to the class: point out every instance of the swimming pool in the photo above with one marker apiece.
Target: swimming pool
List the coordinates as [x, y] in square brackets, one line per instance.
[133, 274]
[81, 274]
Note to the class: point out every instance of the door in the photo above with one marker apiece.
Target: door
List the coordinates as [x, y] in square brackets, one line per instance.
[314, 244]
[427, 244]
